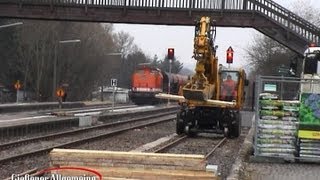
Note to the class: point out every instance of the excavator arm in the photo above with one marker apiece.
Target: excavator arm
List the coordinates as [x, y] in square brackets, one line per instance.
[203, 85]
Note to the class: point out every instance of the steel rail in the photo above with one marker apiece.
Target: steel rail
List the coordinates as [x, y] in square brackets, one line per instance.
[215, 147]
[166, 146]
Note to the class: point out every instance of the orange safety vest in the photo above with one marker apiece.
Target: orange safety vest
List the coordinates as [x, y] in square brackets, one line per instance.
[228, 89]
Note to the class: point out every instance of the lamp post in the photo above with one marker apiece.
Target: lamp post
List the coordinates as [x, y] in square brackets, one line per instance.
[54, 86]
[169, 82]
[9, 25]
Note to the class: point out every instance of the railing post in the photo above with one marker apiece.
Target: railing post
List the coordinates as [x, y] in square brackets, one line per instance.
[125, 6]
[159, 5]
[245, 3]
[51, 5]
[20, 4]
[253, 8]
[191, 6]
[222, 5]
[288, 26]
[86, 7]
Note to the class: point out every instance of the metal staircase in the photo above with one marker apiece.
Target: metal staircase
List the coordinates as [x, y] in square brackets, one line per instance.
[292, 31]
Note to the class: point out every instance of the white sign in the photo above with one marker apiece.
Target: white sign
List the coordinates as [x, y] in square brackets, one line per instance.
[270, 87]
[114, 82]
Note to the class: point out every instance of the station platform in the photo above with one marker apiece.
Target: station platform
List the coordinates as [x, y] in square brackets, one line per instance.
[19, 107]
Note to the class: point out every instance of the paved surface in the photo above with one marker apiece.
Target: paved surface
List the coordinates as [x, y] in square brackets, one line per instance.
[19, 107]
[33, 120]
[274, 171]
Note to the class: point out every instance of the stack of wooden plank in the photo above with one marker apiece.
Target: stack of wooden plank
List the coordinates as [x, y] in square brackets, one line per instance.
[112, 164]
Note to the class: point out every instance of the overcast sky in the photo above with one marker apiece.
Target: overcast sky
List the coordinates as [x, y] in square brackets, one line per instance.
[156, 39]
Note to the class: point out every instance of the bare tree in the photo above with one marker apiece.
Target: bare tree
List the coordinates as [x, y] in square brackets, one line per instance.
[265, 55]
[35, 54]
[304, 9]
[124, 43]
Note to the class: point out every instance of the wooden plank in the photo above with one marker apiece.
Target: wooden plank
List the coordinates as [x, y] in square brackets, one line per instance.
[152, 163]
[127, 157]
[132, 160]
[137, 173]
[208, 102]
[121, 153]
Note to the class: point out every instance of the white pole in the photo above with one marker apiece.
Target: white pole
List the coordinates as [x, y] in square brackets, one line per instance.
[54, 85]
[113, 98]
[17, 95]
[169, 81]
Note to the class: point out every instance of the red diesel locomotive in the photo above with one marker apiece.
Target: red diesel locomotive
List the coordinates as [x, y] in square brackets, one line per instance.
[147, 81]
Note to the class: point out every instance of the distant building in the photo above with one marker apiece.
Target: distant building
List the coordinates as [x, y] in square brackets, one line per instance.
[121, 95]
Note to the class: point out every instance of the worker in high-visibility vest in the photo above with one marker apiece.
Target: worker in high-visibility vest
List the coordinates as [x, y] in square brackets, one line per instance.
[228, 89]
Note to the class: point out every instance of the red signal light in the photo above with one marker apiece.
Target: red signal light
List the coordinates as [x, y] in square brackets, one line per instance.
[170, 53]
[312, 44]
[229, 55]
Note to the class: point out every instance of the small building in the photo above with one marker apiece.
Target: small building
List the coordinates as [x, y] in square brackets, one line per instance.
[120, 94]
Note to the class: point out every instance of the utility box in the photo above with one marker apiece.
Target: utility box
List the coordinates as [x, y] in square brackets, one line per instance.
[85, 121]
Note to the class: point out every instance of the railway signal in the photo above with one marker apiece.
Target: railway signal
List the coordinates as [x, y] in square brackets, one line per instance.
[230, 55]
[170, 53]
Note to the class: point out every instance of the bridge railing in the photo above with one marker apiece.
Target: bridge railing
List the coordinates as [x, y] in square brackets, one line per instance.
[267, 8]
[177, 4]
[286, 18]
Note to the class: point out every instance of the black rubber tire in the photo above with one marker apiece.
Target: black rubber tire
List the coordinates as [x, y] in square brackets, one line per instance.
[235, 129]
[179, 125]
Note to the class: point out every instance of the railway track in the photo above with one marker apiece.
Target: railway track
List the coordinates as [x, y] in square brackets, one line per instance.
[166, 147]
[59, 140]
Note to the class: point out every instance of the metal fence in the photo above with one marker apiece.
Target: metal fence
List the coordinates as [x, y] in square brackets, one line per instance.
[278, 117]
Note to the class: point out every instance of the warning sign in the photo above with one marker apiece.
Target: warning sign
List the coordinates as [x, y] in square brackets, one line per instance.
[60, 92]
[17, 85]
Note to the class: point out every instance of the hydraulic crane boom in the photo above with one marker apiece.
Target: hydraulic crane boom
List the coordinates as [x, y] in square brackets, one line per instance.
[203, 85]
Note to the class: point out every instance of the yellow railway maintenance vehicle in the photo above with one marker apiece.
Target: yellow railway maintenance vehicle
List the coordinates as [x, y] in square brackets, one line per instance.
[207, 103]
